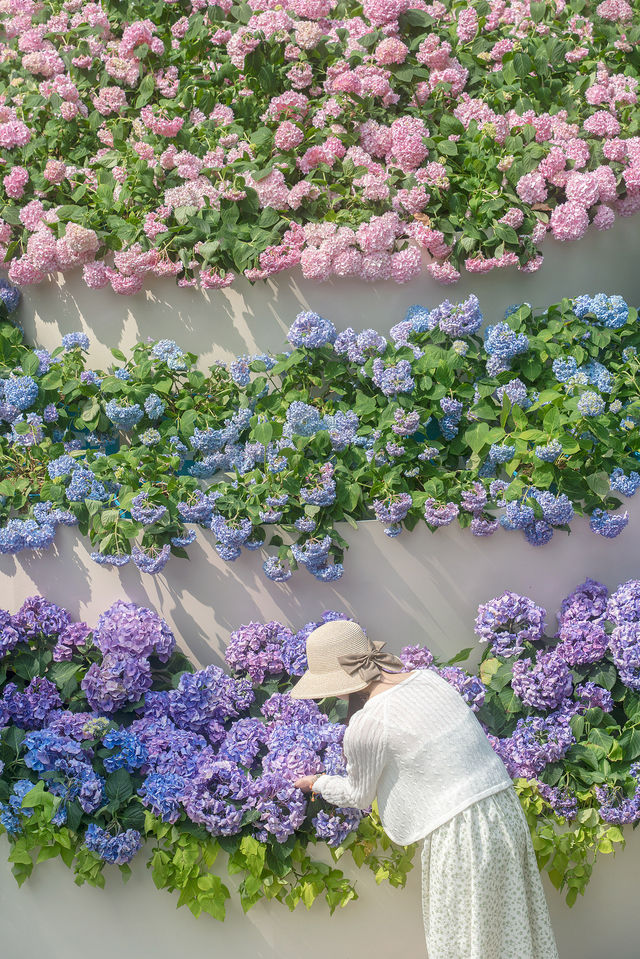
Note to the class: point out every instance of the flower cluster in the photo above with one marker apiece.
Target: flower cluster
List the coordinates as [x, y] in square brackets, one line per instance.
[345, 427]
[215, 755]
[338, 141]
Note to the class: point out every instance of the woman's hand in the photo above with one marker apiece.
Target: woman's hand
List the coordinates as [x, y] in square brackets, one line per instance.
[305, 783]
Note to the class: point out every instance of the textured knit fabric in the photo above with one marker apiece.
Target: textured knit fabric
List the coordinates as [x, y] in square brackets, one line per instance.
[420, 750]
[482, 896]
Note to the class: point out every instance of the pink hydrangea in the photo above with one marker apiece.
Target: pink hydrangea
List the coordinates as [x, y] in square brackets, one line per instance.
[531, 188]
[602, 124]
[14, 133]
[55, 171]
[444, 273]
[407, 142]
[513, 217]
[288, 136]
[381, 12]
[315, 263]
[95, 275]
[569, 221]
[15, 182]
[311, 9]
[604, 217]
[272, 190]
[406, 264]
[32, 214]
[615, 11]
[467, 25]
[78, 246]
[110, 100]
[583, 188]
[391, 50]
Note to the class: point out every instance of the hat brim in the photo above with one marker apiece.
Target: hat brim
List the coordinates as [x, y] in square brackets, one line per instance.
[321, 686]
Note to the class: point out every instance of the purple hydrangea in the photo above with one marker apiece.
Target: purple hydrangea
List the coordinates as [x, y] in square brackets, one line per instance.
[624, 604]
[118, 849]
[256, 649]
[335, 826]
[534, 743]
[208, 696]
[311, 330]
[624, 644]
[39, 616]
[133, 631]
[507, 621]
[544, 685]
[117, 681]
[581, 642]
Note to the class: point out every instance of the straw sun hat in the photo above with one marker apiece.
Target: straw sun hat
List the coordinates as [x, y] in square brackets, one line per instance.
[341, 659]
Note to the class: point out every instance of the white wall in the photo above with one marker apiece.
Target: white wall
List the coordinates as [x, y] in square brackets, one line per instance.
[50, 916]
[246, 318]
[419, 588]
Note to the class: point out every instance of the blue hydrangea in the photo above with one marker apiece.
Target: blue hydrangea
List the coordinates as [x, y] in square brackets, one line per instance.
[72, 340]
[20, 391]
[239, 370]
[154, 407]
[150, 437]
[162, 794]
[84, 485]
[10, 295]
[598, 375]
[127, 752]
[549, 452]
[556, 510]
[538, 533]
[393, 379]
[621, 483]
[118, 849]
[302, 419]
[608, 524]
[276, 570]
[501, 453]
[591, 404]
[502, 341]
[126, 417]
[311, 330]
[564, 368]
[420, 318]
[517, 516]
[62, 465]
[611, 311]
[459, 319]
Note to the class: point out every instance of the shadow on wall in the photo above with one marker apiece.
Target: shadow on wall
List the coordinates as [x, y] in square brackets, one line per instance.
[247, 319]
[422, 587]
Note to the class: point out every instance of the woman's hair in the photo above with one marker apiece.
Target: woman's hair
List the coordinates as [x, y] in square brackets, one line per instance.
[356, 702]
[359, 698]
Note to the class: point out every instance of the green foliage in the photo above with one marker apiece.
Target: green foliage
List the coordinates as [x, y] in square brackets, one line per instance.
[148, 457]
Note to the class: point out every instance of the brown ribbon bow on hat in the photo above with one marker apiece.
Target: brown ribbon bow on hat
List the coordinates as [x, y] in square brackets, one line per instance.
[367, 665]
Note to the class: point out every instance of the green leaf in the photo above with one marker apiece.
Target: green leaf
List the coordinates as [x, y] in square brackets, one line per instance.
[118, 786]
[30, 364]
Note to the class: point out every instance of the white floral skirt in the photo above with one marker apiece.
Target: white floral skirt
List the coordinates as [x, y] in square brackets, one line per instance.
[482, 896]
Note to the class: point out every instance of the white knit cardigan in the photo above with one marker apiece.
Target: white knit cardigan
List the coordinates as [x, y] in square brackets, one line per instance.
[419, 748]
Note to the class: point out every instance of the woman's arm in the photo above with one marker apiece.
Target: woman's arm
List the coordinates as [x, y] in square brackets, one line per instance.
[365, 751]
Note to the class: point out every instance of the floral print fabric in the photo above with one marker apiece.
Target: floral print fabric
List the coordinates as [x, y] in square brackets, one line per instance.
[482, 896]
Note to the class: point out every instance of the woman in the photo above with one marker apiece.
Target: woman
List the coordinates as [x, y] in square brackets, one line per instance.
[418, 748]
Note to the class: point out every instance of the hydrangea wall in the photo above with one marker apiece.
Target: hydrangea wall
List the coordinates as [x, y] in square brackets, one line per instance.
[110, 741]
[207, 140]
[112, 745]
[517, 423]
